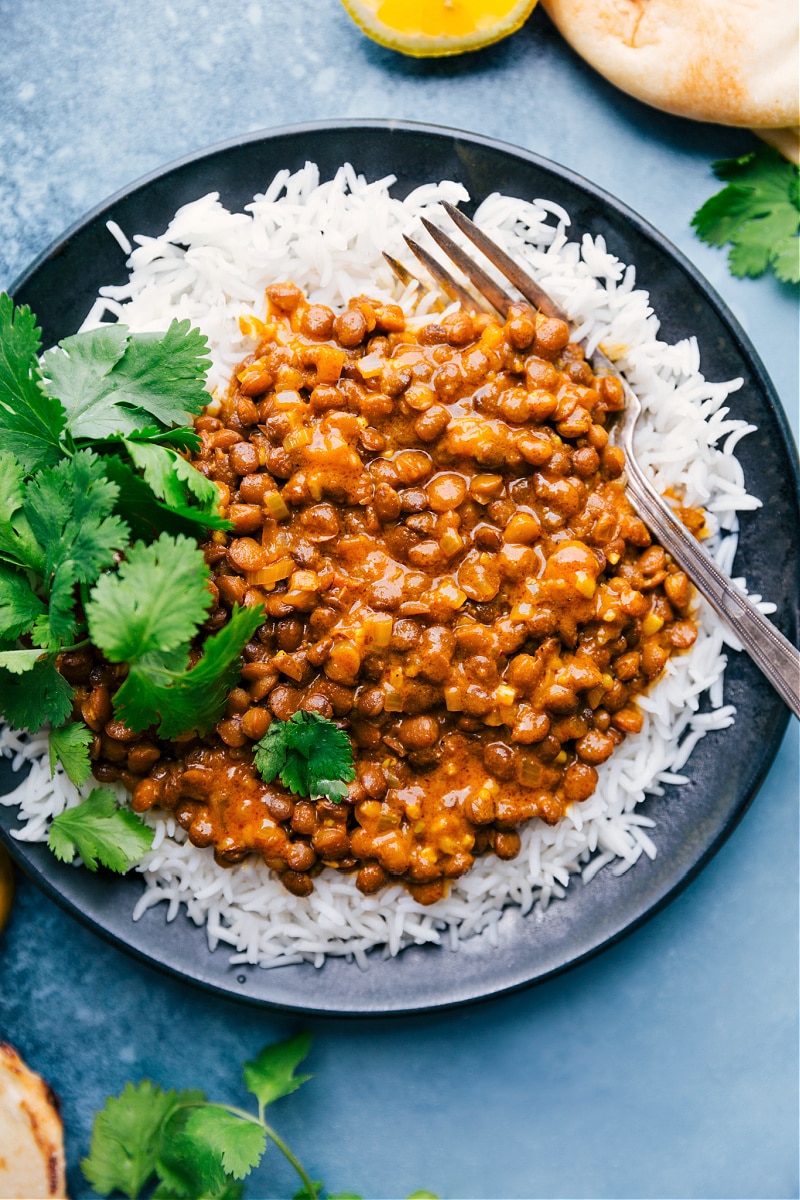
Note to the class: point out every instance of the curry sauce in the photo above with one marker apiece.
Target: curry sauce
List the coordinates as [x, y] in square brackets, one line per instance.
[437, 527]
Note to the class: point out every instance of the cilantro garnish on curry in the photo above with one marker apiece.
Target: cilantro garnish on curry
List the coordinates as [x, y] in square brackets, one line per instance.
[374, 609]
[91, 435]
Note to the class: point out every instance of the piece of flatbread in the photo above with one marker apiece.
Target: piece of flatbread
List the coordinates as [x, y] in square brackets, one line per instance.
[31, 1133]
[787, 141]
[734, 62]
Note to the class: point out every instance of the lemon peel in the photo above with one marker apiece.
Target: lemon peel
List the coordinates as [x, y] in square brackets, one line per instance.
[437, 28]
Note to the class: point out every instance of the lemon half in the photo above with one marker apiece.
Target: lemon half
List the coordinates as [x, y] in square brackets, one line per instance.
[435, 28]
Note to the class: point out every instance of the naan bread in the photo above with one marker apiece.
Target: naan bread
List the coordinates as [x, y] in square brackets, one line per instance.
[31, 1134]
[787, 141]
[734, 62]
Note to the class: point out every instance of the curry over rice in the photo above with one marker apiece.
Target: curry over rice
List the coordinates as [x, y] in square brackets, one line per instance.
[437, 527]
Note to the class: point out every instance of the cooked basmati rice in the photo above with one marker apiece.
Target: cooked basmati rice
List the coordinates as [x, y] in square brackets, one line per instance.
[212, 266]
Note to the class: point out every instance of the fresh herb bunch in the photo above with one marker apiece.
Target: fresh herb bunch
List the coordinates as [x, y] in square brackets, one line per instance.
[92, 436]
[190, 1147]
[757, 213]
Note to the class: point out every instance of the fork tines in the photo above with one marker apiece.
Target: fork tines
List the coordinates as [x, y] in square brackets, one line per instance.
[487, 287]
[450, 286]
[484, 283]
[512, 270]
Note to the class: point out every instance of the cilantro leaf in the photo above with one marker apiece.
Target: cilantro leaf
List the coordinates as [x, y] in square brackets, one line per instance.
[153, 604]
[101, 833]
[182, 437]
[17, 542]
[239, 1143]
[19, 661]
[147, 516]
[195, 1149]
[312, 756]
[271, 1074]
[180, 699]
[69, 510]
[71, 744]
[169, 371]
[111, 381]
[42, 694]
[31, 422]
[19, 604]
[231, 1189]
[76, 372]
[757, 213]
[146, 615]
[171, 478]
[187, 1166]
[126, 1135]
[334, 789]
[41, 634]
[786, 259]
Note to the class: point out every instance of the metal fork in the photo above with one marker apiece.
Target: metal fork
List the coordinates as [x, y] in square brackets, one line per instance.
[770, 650]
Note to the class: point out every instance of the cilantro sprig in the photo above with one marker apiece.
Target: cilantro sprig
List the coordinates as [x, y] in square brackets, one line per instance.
[191, 1147]
[101, 833]
[312, 756]
[757, 214]
[93, 435]
[69, 510]
[146, 615]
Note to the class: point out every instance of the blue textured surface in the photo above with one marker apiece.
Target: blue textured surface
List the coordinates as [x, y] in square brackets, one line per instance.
[668, 1066]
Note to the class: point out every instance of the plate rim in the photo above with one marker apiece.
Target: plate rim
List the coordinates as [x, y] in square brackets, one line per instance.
[768, 394]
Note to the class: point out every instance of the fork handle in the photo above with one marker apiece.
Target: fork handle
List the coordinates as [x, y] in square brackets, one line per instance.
[770, 650]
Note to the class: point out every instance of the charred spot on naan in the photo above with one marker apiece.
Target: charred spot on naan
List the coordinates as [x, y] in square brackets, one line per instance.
[32, 1161]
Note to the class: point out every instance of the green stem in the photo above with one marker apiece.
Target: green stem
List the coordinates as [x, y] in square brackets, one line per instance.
[84, 591]
[74, 646]
[236, 1112]
[298, 1166]
[67, 444]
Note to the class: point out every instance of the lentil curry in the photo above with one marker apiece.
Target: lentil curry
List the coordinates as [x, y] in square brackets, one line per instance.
[437, 527]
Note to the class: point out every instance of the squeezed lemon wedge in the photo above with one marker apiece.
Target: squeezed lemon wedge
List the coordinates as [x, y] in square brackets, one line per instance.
[436, 28]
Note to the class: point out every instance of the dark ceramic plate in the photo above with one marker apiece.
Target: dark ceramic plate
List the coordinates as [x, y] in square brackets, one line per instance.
[692, 821]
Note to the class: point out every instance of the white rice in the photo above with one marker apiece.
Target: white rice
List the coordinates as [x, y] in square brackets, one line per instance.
[212, 266]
